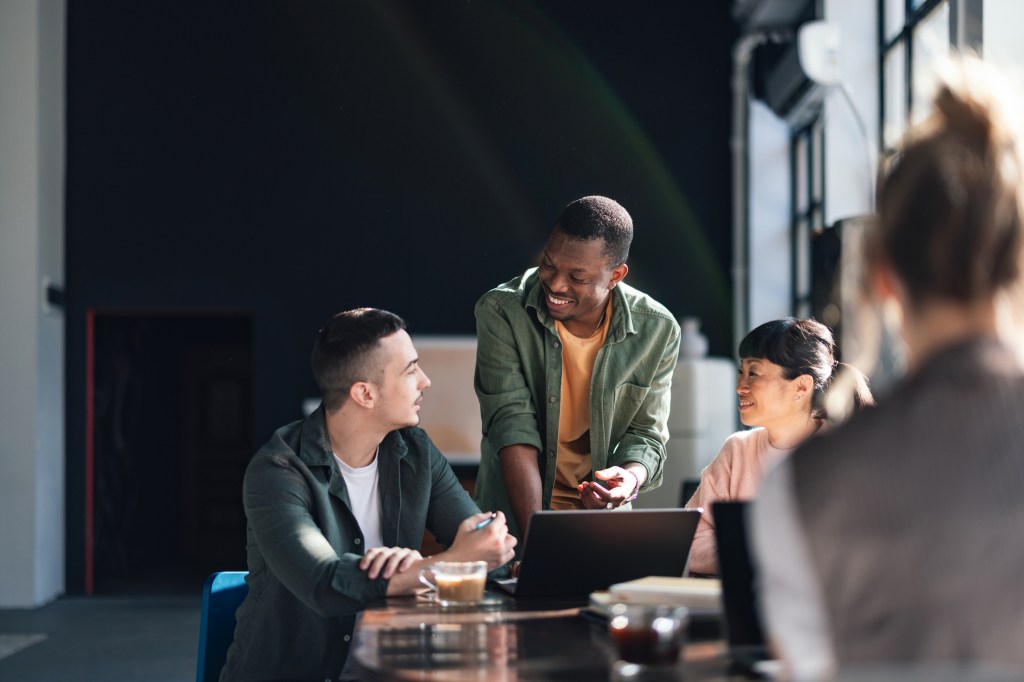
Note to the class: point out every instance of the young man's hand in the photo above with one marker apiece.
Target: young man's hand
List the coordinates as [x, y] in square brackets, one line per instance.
[384, 562]
[611, 487]
[491, 543]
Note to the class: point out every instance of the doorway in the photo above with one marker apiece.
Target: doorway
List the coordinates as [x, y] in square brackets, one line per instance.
[169, 437]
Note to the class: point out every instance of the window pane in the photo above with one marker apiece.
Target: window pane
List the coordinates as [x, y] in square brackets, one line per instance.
[817, 163]
[802, 246]
[800, 174]
[895, 18]
[894, 115]
[931, 48]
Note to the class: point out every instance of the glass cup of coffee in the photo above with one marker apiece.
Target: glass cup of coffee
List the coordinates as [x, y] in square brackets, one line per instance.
[646, 637]
[456, 583]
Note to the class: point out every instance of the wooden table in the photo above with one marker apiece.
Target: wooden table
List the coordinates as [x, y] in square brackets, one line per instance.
[416, 639]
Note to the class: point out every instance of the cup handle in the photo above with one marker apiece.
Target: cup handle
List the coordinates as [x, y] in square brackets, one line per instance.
[424, 572]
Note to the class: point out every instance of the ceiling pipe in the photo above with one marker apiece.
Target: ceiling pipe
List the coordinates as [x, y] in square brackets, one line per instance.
[741, 57]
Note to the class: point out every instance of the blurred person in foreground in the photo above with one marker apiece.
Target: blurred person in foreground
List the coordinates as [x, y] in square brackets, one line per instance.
[893, 540]
[786, 366]
[336, 506]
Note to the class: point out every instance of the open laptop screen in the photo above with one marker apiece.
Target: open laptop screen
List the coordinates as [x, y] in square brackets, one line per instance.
[574, 553]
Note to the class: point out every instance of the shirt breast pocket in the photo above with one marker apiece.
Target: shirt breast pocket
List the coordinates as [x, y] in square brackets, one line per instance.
[628, 399]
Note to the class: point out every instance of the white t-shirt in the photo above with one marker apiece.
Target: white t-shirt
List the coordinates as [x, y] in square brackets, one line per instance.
[365, 500]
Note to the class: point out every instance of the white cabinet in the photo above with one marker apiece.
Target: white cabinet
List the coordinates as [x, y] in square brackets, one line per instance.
[703, 415]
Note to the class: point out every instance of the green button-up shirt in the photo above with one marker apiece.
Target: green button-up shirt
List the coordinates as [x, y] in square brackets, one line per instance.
[304, 546]
[519, 382]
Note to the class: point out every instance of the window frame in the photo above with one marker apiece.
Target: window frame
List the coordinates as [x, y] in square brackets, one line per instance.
[913, 18]
[807, 218]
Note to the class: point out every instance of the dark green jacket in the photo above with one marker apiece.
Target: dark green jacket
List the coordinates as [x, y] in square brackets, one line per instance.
[304, 546]
[519, 384]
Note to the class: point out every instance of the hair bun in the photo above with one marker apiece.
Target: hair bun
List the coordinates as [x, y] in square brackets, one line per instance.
[972, 104]
[964, 118]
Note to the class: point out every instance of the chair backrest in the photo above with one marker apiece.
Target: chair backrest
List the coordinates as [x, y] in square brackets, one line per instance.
[222, 594]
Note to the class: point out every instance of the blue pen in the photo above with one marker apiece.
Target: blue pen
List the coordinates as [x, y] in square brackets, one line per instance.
[483, 524]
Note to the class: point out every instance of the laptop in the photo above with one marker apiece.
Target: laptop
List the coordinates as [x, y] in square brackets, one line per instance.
[573, 553]
[744, 633]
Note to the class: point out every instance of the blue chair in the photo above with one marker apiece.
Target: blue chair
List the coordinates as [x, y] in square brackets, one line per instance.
[222, 594]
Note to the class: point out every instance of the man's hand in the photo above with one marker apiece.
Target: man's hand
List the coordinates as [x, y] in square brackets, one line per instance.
[492, 543]
[384, 562]
[611, 488]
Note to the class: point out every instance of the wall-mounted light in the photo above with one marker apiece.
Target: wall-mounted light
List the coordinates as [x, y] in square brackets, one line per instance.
[818, 44]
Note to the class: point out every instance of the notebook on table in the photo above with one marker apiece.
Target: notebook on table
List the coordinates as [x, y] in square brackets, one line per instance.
[574, 553]
[744, 633]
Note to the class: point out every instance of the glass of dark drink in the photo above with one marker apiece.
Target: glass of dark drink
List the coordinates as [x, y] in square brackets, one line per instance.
[645, 636]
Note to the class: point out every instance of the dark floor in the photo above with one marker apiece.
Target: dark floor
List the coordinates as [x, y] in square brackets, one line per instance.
[106, 639]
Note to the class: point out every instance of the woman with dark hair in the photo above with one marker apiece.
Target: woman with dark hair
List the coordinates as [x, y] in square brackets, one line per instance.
[785, 368]
[894, 539]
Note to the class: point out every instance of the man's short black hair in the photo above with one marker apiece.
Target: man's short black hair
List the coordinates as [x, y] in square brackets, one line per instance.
[345, 351]
[602, 218]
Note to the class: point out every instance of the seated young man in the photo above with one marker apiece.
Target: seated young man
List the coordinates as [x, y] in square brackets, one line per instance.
[337, 503]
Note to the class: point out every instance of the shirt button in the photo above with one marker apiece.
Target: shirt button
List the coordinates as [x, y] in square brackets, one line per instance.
[551, 453]
[555, 344]
[357, 541]
[347, 637]
[553, 400]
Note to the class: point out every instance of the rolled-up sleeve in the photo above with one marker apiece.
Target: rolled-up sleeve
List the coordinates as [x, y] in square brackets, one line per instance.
[507, 412]
[278, 504]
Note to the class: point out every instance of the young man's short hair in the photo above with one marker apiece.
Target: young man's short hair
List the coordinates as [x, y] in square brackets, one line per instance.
[347, 351]
[602, 218]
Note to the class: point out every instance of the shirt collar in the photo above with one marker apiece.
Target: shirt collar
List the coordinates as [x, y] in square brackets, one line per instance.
[315, 448]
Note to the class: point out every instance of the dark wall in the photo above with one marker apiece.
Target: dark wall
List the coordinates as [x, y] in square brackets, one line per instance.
[292, 159]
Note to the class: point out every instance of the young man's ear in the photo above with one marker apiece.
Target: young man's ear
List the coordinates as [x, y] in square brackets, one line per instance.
[618, 273]
[362, 394]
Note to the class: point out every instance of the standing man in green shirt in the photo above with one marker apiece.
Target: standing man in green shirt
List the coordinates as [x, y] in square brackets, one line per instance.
[573, 374]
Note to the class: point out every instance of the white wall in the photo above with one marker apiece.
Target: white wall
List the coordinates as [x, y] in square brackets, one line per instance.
[1001, 23]
[31, 340]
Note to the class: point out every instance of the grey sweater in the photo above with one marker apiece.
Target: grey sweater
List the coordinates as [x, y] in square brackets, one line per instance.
[914, 515]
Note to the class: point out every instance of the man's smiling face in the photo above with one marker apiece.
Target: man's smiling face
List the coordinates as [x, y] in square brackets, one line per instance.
[577, 278]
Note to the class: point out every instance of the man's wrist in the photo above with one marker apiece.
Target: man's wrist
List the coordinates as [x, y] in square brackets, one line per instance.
[636, 486]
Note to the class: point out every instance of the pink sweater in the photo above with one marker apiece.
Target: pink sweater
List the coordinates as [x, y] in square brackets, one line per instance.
[734, 474]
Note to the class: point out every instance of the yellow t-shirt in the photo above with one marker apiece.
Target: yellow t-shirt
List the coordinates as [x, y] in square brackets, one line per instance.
[572, 463]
